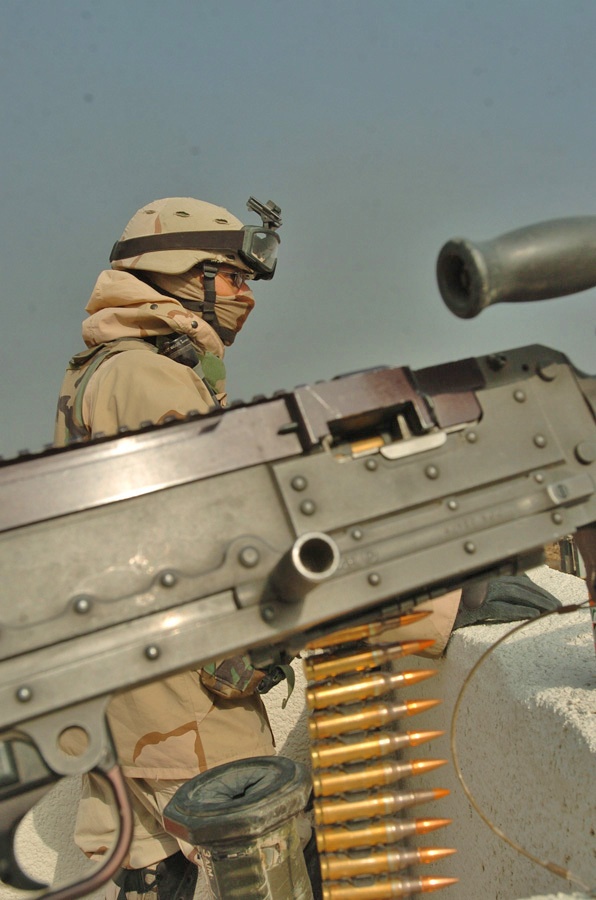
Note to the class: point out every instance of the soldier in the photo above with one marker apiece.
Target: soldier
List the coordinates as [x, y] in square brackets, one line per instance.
[159, 320]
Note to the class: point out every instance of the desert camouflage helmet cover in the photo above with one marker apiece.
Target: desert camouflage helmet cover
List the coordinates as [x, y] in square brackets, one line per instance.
[176, 214]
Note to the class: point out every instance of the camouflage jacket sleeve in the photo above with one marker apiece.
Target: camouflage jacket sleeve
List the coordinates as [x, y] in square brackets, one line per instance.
[138, 386]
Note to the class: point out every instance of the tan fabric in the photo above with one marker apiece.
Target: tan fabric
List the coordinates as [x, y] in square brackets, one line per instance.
[138, 386]
[436, 627]
[227, 732]
[168, 731]
[233, 303]
[123, 306]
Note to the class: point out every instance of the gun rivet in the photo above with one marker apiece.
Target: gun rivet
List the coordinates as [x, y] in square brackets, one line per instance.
[452, 505]
[308, 507]
[152, 652]
[168, 579]
[249, 557]
[374, 579]
[471, 437]
[539, 478]
[496, 361]
[24, 694]
[431, 472]
[357, 534]
[547, 371]
[470, 547]
[540, 440]
[268, 613]
[586, 452]
[153, 306]
[519, 396]
[557, 518]
[299, 483]
[371, 465]
[81, 605]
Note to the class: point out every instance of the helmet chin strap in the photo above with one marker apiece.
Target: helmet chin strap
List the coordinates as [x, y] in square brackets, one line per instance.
[205, 308]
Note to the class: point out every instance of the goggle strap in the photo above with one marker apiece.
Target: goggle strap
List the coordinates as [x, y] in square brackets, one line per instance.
[177, 240]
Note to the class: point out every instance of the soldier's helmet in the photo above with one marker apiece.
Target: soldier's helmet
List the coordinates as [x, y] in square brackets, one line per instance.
[150, 243]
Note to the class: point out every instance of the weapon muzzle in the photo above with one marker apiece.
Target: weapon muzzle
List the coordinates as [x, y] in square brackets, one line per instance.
[549, 259]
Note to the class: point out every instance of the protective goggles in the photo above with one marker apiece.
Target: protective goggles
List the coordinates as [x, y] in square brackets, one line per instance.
[255, 245]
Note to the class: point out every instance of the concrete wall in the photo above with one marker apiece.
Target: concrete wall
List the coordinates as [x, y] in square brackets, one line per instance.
[527, 745]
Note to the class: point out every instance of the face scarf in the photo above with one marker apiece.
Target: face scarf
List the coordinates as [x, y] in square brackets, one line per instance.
[233, 303]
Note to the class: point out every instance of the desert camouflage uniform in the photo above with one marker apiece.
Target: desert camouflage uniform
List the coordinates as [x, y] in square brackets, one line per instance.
[168, 731]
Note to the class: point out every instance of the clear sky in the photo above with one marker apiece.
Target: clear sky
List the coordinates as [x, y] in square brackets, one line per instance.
[381, 127]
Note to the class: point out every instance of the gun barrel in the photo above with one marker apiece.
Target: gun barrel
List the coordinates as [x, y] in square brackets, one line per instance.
[313, 557]
[538, 262]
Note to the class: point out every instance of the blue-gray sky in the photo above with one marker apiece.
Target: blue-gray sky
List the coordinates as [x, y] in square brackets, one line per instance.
[381, 127]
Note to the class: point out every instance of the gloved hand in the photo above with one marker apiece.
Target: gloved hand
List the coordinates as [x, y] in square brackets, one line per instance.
[509, 598]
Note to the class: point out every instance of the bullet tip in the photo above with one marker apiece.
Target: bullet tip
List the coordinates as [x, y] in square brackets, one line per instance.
[426, 765]
[431, 854]
[418, 706]
[435, 884]
[423, 825]
[419, 737]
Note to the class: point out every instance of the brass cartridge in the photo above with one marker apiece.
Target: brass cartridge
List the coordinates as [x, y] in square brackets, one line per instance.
[331, 839]
[384, 803]
[336, 753]
[340, 781]
[366, 631]
[320, 667]
[364, 716]
[362, 687]
[335, 867]
[385, 888]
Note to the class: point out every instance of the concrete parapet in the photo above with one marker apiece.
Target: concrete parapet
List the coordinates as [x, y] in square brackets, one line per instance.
[526, 742]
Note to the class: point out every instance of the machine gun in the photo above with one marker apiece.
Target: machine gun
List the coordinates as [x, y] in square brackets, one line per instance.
[328, 505]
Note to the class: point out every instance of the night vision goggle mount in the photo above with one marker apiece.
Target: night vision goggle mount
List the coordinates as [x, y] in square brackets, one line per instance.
[269, 212]
[256, 245]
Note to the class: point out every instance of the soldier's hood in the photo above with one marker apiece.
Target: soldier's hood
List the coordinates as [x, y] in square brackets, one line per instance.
[122, 306]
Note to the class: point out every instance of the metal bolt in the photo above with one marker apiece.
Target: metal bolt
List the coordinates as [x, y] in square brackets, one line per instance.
[299, 483]
[540, 440]
[374, 579]
[519, 396]
[496, 361]
[152, 652]
[268, 613]
[168, 579]
[452, 505]
[82, 605]
[586, 452]
[371, 465]
[357, 534]
[470, 547]
[249, 557]
[471, 437]
[24, 694]
[557, 518]
[547, 371]
[431, 472]
[308, 508]
[539, 478]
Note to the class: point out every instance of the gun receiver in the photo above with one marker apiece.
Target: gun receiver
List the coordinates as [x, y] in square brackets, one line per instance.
[327, 505]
